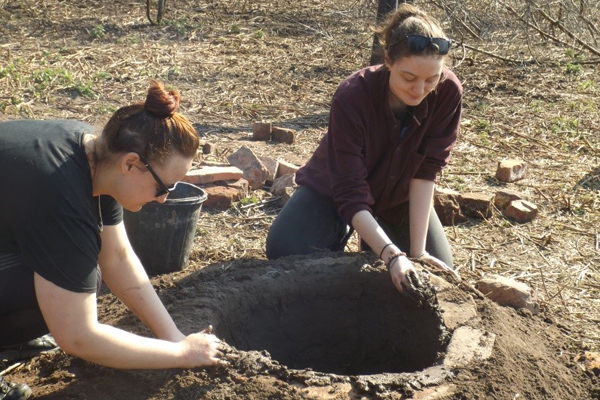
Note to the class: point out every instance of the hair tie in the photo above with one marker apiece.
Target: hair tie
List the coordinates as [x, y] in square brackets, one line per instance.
[384, 247]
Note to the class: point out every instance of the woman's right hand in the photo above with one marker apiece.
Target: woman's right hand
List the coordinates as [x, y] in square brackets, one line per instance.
[200, 349]
[404, 275]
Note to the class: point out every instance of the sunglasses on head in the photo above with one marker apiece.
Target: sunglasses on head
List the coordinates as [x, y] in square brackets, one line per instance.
[162, 188]
[419, 43]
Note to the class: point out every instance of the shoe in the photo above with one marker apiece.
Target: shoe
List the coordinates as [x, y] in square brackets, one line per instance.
[42, 345]
[13, 391]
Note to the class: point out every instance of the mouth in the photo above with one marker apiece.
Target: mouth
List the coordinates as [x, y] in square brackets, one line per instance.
[413, 99]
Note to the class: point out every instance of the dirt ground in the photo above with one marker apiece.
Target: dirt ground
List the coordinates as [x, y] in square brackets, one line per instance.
[326, 326]
[530, 92]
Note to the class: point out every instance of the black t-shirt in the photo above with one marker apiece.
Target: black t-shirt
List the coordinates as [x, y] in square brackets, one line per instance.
[47, 210]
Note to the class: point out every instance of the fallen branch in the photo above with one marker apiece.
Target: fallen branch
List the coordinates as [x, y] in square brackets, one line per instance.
[509, 60]
[464, 25]
[541, 32]
[568, 32]
[587, 62]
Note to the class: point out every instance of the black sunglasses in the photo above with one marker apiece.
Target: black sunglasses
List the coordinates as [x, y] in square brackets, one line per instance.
[418, 43]
[163, 189]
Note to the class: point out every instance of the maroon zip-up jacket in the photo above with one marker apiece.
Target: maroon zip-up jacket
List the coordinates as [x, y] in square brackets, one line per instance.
[367, 158]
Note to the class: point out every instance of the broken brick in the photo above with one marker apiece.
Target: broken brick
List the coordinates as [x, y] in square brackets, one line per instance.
[511, 170]
[285, 168]
[446, 203]
[253, 169]
[521, 211]
[476, 205]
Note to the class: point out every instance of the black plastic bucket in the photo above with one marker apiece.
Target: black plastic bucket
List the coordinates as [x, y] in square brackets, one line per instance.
[162, 234]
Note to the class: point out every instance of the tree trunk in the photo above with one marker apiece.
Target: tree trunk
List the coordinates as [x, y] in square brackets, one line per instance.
[384, 7]
[159, 13]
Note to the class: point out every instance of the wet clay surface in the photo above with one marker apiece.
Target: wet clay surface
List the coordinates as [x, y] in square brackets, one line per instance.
[340, 314]
[328, 316]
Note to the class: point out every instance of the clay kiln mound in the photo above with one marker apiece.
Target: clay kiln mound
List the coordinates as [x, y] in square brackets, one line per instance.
[333, 326]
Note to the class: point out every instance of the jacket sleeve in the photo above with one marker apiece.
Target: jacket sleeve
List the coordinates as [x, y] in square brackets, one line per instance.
[346, 165]
[442, 131]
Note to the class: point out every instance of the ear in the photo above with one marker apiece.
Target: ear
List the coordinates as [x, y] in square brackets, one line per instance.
[128, 162]
[387, 61]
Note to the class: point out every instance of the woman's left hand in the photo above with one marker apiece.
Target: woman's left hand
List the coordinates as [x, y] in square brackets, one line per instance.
[439, 264]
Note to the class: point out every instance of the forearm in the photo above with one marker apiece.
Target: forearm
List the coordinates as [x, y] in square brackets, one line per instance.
[369, 230]
[396, 261]
[72, 319]
[420, 199]
[112, 347]
[132, 286]
[125, 276]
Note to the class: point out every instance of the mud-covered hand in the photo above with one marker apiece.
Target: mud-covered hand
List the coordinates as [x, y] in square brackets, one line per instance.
[200, 349]
[439, 264]
[404, 275]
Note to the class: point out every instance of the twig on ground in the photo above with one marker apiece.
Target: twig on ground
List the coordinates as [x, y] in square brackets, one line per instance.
[12, 368]
[568, 32]
[487, 53]
[261, 203]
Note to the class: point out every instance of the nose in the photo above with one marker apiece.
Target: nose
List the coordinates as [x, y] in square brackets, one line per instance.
[418, 88]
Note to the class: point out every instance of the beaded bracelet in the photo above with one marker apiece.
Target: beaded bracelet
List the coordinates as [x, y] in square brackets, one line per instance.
[389, 262]
[392, 256]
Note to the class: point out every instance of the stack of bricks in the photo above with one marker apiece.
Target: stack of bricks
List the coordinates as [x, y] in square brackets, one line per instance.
[222, 183]
[265, 131]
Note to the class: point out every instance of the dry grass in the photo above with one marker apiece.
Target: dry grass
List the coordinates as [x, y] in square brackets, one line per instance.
[528, 94]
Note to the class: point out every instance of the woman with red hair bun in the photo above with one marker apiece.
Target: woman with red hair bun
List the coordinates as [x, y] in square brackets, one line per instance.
[62, 233]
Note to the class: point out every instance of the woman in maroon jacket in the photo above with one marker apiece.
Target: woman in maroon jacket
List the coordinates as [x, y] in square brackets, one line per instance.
[391, 130]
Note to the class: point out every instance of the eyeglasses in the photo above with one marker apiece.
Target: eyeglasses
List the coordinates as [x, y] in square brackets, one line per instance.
[419, 43]
[163, 189]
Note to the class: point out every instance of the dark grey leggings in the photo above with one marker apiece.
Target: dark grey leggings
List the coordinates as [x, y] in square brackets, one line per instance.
[20, 317]
[310, 222]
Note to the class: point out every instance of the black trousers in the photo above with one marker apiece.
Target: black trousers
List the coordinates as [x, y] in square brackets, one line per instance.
[20, 317]
[310, 222]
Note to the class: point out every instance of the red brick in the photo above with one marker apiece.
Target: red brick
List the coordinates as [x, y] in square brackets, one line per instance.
[209, 148]
[283, 135]
[503, 198]
[253, 169]
[271, 164]
[220, 197]
[476, 205]
[206, 174]
[286, 181]
[241, 185]
[285, 168]
[521, 211]
[261, 130]
[508, 292]
[511, 170]
[446, 203]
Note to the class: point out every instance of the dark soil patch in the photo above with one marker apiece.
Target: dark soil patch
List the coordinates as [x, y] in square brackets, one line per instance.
[339, 315]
